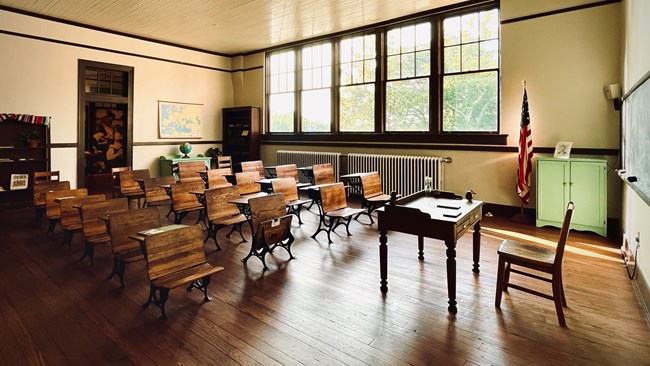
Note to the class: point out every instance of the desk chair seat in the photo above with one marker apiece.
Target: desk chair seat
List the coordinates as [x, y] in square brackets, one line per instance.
[373, 195]
[220, 213]
[537, 258]
[335, 209]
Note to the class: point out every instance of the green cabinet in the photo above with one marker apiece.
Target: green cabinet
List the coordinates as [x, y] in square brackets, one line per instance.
[581, 181]
[167, 162]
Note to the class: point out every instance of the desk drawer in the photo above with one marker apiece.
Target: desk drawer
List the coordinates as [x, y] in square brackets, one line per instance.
[468, 222]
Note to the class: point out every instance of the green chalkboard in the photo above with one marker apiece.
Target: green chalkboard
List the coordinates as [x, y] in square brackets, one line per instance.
[636, 138]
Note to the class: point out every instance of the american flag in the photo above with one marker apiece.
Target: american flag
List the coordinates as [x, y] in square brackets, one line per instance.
[525, 153]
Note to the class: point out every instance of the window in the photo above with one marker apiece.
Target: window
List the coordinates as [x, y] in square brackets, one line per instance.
[316, 98]
[470, 73]
[434, 75]
[358, 68]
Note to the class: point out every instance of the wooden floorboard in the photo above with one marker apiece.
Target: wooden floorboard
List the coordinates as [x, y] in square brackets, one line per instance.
[323, 308]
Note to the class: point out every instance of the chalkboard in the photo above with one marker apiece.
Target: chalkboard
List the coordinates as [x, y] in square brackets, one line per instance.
[636, 139]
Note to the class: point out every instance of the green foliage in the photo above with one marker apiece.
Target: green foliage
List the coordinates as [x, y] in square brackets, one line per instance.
[470, 102]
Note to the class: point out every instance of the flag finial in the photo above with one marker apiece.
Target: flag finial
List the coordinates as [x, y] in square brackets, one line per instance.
[523, 83]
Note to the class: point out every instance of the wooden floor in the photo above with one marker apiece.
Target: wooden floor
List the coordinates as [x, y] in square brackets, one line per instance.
[323, 308]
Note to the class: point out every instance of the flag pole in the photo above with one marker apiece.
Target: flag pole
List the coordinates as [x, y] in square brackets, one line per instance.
[521, 218]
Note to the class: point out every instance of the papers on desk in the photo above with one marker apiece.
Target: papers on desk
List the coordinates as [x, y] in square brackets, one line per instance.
[161, 229]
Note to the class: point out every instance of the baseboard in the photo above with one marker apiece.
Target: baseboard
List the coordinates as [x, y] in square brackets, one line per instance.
[643, 291]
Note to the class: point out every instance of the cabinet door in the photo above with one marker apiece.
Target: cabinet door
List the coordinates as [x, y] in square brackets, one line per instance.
[588, 193]
[552, 189]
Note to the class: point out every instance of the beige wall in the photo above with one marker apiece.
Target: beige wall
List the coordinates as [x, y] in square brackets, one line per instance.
[566, 59]
[43, 80]
[636, 61]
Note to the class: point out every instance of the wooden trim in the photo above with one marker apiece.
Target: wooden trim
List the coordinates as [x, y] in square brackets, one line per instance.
[643, 292]
[424, 137]
[636, 85]
[559, 11]
[174, 142]
[61, 145]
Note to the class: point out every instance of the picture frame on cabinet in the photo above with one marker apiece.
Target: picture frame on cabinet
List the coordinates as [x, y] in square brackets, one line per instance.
[19, 181]
[563, 149]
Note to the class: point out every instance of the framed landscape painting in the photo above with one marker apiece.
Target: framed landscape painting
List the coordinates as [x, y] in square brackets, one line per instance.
[179, 120]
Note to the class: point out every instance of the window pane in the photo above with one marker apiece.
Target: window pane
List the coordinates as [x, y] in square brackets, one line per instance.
[357, 72]
[316, 110]
[357, 48]
[423, 36]
[317, 78]
[407, 105]
[423, 63]
[327, 76]
[369, 44]
[369, 70]
[470, 102]
[451, 27]
[281, 108]
[452, 59]
[408, 39]
[306, 58]
[393, 67]
[346, 50]
[357, 108]
[393, 38]
[489, 54]
[470, 56]
[469, 28]
[408, 65]
[489, 24]
[346, 74]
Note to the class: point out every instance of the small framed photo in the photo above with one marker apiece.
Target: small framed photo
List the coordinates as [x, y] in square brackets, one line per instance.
[563, 149]
[19, 181]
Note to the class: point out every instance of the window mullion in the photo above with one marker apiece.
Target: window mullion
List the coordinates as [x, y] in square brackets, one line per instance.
[380, 81]
[297, 93]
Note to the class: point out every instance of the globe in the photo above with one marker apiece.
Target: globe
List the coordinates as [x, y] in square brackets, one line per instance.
[185, 148]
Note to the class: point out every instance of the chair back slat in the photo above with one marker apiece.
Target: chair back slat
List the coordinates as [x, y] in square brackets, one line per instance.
[323, 174]
[224, 162]
[217, 179]
[287, 171]
[217, 202]
[287, 187]
[47, 186]
[333, 197]
[52, 208]
[91, 213]
[371, 185]
[188, 171]
[128, 185]
[174, 250]
[71, 215]
[246, 182]
[115, 178]
[153, 192]
[253, 166]
[123, 224]
[182, 199]
[564, 234]
[45, 177]
[266, 208]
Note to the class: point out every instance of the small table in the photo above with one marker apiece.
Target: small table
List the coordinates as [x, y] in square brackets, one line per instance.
[243, 206]
[437, 218]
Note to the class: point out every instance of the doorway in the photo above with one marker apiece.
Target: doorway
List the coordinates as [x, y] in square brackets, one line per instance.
[104, 128]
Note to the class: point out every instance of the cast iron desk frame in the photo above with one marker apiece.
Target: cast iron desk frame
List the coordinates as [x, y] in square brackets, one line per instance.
[420, 215]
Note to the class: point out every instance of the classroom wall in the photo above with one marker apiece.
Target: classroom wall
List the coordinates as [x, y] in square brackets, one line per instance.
[636, 63]
[40, 78]
[566, 60]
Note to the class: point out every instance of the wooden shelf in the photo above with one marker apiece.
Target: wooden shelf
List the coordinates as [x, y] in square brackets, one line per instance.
[241, 133]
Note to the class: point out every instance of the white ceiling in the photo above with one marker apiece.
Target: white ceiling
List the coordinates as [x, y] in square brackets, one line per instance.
[226, 26]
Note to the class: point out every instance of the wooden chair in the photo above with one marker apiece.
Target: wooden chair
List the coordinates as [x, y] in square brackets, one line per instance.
[188, 171]
[289, 171]
[129, 188]
[537, 258]
[94, 228]
[45, 177]
[71, 216]
[247, 184]
[373, 196]
[155, 195]
[323, 174]
[127, 250]
[220, 213]
[271, 227]
[176, 258]
[184, 202]
[288, 188]
[224, 162]
[39, 194]
[115, 179]
[335, 208]
[53, 208]
[253, 166]
[217, 179]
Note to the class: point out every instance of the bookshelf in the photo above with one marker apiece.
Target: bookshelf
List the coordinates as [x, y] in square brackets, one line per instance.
[241, 133]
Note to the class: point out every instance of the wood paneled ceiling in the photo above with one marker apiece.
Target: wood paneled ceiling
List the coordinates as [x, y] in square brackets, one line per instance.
[225, 26]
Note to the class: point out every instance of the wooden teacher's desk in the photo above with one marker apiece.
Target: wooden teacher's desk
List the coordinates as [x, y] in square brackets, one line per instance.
[437, 218]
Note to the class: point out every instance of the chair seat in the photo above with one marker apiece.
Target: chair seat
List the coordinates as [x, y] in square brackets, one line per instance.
[189, 208]
[74, 227]
[344, 212]
[253, 195]
[234, 219]
[187, 275]
[378, 198]
[297, 202]
[130, 256]
[529, 253]
[160, 203]
[99, 239]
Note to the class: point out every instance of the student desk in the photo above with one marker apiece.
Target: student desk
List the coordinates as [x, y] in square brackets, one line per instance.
[422, 215]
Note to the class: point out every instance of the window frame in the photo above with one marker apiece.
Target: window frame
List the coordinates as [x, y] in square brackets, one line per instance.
[435, 132]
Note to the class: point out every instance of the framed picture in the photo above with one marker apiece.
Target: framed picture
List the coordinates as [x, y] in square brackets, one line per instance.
[19, 181]
[179, 120]
[563, 149]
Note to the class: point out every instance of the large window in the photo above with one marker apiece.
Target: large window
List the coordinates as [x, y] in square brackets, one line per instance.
[434, 75]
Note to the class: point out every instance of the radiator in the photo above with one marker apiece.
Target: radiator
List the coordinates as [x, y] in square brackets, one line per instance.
[400, 173]
[308, 158]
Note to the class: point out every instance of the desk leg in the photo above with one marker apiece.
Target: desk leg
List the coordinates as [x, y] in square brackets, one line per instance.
[451, 275]
[477, 246]
[383, 261]
[421, 248]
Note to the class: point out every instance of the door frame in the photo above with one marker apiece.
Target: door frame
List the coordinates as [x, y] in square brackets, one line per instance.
[84, 98]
